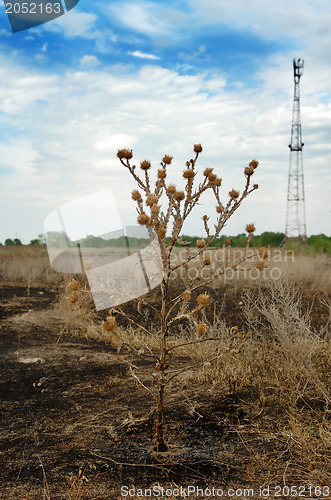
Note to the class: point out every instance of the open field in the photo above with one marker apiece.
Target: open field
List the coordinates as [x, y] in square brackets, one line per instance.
[76, 425]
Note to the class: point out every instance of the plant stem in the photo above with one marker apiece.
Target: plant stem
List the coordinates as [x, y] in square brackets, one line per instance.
[160, 444]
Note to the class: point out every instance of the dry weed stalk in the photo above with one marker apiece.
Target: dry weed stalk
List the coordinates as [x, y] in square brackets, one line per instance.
[162, 209]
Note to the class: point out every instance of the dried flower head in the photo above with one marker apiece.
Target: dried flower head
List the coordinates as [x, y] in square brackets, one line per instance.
[217, 181]
[188, 163]
[167, 159]
[203, 299]
[162, 232]
[219, 209]
[263, 252]
[186, 295]
[262, 264]
[143, 219]
[73, 285]
[228, 242]
[206, 261]
[145, 165]
[234, 194]
[73, 298]
[255, 186]
[207, 172]
[110, 323]
[250, 228]
[254, 164]
[171, 189]
[135, 195]
[200, 243]
[155, 209]
[201, 328]
[162, 173]
[151, 199]
[212, 177]
[125, 153]
[197, 148]
[179, 195]
[249, 171]
[188, 173]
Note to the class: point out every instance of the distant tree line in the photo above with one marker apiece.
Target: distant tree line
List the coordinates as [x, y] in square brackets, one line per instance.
[320, 242]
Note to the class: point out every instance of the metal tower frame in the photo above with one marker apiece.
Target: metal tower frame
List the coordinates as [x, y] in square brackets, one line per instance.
[295, 211]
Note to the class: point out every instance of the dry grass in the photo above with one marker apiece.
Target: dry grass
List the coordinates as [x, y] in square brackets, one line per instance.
[27, 266]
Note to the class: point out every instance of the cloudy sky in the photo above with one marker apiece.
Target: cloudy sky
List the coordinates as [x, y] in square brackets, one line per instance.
[157, 77]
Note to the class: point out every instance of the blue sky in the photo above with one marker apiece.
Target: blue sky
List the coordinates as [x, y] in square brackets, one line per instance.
[158, 77]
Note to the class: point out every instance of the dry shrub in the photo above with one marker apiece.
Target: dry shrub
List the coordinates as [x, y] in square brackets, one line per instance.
[279, 355]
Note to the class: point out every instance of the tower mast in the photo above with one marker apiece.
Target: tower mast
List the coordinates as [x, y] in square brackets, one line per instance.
[295, 211]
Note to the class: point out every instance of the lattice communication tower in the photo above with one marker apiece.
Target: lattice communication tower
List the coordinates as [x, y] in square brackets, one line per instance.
[295, 210]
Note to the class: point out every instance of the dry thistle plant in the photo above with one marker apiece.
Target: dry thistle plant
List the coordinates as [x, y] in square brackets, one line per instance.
[163, 208]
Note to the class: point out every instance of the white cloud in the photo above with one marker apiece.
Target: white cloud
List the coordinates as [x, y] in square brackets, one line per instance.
[74, 24]
[157, 21]
[4, 32]
[142, 55]
[71, 139]
[89, 61]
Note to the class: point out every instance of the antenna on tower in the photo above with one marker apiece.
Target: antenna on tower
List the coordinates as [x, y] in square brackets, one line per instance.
[295, 211]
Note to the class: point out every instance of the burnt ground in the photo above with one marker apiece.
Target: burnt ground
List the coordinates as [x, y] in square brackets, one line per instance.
[75, 425]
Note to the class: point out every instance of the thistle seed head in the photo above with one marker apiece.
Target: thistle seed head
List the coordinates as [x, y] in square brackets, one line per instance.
[151, 199]
[263, 252]
[143, 219]
[110, 323]
[254, 164]
[200, 243]
[171, 189]
[155, 209]
[249, 171]
[125, 153]
[202, 328]
[73, 298]
[145, 165]
[167, 159]
[189, 173]
[207, 172]
[228, 242]
[73, 285]
[217, 181]
[135, 195]
[179, 195]
[203, 299]
[212, 177]
[186, 295]
[250, 228]
[261, 265]
[206, 261]
[162, 173]
[233, 194]
[197, 148]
